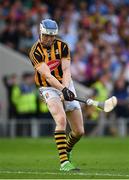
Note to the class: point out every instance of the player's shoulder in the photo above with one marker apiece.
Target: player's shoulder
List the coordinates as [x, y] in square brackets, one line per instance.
[35, 45]
[62, 42]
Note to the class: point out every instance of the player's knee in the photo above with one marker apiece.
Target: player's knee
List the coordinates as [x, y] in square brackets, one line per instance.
[61, 122]
[79, 133]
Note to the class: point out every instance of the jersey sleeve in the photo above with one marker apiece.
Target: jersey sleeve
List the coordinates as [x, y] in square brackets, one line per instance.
[65, 51]
[35, 56]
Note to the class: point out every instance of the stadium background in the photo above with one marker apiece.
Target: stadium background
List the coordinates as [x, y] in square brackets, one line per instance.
[97, 32]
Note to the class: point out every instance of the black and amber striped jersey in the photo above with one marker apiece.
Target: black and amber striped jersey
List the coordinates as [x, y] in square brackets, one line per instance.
[52, 57]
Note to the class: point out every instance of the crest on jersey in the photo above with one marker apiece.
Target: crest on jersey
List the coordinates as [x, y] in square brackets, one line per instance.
[53, 64]
[57, 51]
[47, 95]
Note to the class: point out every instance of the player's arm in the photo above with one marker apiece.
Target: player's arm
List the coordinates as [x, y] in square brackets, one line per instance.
[66, 72]
[66, 65]
[44, 70]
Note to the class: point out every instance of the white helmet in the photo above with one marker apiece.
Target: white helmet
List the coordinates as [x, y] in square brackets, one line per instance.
[48, 27]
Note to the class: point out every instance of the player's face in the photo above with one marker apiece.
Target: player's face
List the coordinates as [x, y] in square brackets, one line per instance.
[47, 40]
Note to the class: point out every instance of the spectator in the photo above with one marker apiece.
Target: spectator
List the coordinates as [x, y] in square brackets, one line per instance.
[26, 42]
[24, 97]
[121, 91]
[10, 82]
[10, 36]
[110, 35]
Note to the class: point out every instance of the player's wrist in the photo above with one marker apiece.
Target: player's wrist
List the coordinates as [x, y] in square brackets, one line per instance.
[66, 84]
[62, 87]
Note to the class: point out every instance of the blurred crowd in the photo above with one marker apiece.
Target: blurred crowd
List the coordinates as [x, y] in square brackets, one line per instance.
[97, 32]
[25, 105]
[23, 97]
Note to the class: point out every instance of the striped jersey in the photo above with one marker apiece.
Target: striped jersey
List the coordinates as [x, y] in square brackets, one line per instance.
[52, 57]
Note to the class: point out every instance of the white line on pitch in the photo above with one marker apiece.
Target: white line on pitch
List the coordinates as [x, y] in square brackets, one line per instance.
[54, 173]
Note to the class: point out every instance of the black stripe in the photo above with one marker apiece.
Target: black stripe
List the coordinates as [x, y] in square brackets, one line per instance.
[60, 68]
[61, 153]
[59, 143]
[64, 161]
[48, 84]
[39, 79]
[60, 138]
[40, 48]
[39, 57]
[71, 142]
[56, 47]
[61, 148]
[49, 50]
[58, 56]
[53, 73]
[60, 71]
[59, 133]
[62, 45]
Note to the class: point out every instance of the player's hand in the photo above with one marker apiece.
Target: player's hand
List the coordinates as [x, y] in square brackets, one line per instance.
[68, 95]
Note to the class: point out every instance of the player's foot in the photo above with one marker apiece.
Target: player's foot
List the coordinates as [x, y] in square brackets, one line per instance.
[67, 166]
[69, 154]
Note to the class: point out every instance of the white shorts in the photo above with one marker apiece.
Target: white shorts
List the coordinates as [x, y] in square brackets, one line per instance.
[48, 93]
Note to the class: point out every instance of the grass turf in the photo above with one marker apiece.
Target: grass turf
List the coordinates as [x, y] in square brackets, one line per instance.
[38, 159]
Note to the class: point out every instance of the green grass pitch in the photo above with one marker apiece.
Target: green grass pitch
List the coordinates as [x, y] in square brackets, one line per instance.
[38, 159]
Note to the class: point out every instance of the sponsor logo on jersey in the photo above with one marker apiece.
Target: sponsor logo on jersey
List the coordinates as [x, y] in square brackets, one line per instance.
[53, 64]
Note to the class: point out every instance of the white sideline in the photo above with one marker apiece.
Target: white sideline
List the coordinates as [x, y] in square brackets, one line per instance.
[54, 173]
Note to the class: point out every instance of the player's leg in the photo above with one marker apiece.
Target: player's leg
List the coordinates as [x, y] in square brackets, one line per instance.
[77, 128]
[74, 116]
[56, 109]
